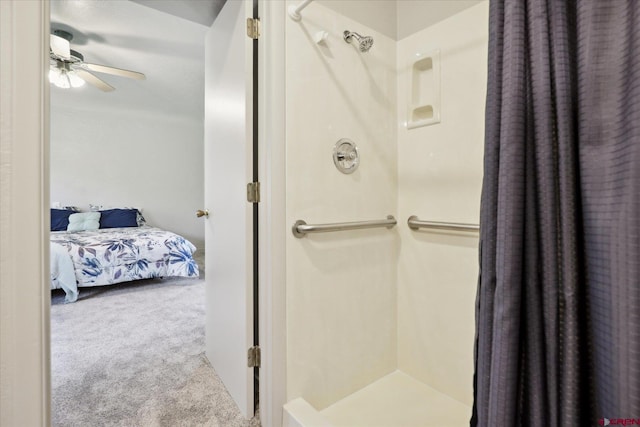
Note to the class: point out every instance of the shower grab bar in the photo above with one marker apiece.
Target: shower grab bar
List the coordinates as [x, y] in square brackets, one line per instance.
[415, 224]
[294, 11]
[301, 228]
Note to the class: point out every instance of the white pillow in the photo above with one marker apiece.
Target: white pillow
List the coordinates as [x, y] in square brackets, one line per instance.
[84, 221]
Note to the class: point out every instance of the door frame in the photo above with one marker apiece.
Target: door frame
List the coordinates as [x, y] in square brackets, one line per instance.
[24, 215]
[272, 211]
[25, 387]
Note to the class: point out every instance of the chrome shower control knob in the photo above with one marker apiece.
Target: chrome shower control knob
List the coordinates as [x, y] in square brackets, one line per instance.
[345, 156]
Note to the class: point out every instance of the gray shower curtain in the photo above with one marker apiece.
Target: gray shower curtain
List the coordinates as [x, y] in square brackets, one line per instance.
[558, 305]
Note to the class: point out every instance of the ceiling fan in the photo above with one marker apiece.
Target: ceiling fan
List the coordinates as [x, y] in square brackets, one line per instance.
[68, 68]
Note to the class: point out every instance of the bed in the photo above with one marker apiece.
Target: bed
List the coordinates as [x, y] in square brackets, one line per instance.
[113, 255]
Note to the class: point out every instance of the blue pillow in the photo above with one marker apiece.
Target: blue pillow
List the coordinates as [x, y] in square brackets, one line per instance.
[116, 218]
[60, 219]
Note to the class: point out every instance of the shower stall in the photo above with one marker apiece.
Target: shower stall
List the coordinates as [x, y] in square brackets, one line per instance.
[384, 106]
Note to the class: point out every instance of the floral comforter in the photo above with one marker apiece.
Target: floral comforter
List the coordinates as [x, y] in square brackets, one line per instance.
[114, 255]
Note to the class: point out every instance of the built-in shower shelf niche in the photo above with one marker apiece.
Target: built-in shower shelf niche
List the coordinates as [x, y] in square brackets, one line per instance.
[424, 90]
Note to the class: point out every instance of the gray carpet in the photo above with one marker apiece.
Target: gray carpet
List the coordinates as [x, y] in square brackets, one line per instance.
[133, 355]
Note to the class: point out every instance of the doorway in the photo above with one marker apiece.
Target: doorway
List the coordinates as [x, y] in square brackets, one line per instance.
[166, 123]
[24, 342]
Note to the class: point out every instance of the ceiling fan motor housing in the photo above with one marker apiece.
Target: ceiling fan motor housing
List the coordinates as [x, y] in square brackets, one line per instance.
[76, 55]
[64, 34]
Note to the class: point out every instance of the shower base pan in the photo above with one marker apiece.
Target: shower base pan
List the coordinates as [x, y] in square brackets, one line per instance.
[392, 401]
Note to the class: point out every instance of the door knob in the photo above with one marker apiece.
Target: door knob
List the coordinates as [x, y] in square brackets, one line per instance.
[201, 213]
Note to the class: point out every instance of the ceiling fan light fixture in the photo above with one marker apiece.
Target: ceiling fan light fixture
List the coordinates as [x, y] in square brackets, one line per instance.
[68, 69]
[64, 79]
[74, 79]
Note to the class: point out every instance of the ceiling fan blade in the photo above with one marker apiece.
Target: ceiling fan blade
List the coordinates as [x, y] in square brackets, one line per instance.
[115, 71]
[93, 80]
[59, 46]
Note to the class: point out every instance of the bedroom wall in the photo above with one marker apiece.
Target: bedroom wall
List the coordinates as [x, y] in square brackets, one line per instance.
[130, 158]
[141, 144]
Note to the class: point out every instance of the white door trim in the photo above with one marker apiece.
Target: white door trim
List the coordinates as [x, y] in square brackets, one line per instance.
[24, 215]
[272, 226]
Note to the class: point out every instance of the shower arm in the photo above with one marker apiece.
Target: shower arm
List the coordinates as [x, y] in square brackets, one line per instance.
[294, 11]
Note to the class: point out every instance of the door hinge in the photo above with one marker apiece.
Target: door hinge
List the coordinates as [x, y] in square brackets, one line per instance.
[253, 357]
[253, 192]
[253, 27]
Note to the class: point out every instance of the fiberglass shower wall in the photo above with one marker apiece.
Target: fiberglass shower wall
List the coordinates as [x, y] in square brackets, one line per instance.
[362, 304]
[341, 287]
[439, 179]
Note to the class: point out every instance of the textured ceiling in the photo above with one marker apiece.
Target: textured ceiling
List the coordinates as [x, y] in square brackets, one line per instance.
[169, 50]
[200, 11]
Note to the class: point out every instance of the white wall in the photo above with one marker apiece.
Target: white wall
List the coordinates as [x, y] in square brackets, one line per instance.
[439, 178]
[130, 158]
[341, 311]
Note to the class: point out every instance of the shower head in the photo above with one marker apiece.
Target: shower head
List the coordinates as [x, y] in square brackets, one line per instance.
[364, 42]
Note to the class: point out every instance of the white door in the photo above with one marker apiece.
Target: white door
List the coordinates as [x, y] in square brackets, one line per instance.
[229, 228]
